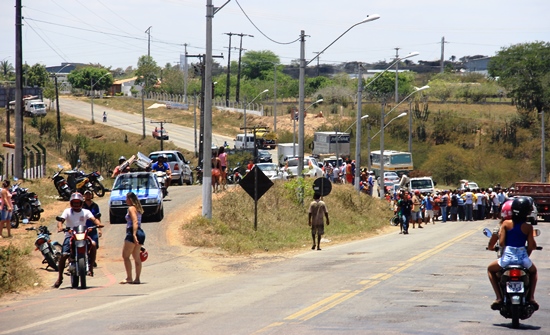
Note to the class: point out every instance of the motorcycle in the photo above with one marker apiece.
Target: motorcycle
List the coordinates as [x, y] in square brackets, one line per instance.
[79, 258]
[234, 176]
[514, 286]
[50, 250]
[79, 181]
[198, 171]
[28, 205]
[61, 184]
[161, 179]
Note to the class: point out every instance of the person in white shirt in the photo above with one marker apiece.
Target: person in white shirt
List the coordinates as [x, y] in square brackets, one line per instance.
[495, 203]
[74, 217]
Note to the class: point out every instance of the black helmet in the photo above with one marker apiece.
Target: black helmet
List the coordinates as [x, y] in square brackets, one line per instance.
[521, 207]
[122, 158]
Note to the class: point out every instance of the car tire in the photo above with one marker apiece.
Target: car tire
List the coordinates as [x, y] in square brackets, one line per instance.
[190, 180]
[160, 215]
[180, 180]
[113, 218]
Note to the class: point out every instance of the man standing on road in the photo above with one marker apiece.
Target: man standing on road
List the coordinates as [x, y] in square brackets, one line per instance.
[317, 209]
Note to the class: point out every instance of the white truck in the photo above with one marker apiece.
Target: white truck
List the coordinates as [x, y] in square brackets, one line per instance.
[423, 184]
[286, 151]
[35, 107]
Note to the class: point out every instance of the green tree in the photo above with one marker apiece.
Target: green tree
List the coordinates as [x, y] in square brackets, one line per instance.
[384, 85]
[172, 80]
[147, 72]
[523, 70]
[35, 76]
[258, 63]
[7, 69]
[86, 77]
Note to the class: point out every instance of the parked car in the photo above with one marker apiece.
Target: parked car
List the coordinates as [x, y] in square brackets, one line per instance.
[147, 189]
[272, 171]
[467, 184]
[160, 134]
[181, 172]
[391, 177]
[311, 168]
[264, 156]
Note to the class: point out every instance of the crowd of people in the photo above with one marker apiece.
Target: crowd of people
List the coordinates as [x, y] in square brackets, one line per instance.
[415, 208]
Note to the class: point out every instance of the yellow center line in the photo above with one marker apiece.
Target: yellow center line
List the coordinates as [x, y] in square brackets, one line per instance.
[344, 295]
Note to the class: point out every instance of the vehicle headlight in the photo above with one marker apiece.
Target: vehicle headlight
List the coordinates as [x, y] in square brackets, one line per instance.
[150, 201]
[116, 203]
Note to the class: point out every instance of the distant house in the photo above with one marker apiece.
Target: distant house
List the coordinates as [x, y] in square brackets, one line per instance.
[61, 72]
[477, 65]
[124, 86]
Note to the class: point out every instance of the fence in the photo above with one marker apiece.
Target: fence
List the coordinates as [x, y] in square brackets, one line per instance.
[34, 161]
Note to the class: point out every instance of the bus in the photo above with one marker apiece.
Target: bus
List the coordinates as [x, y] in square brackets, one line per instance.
[396, 161]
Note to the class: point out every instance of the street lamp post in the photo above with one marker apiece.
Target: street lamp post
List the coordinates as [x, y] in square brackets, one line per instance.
[382, 126]
[358, 128]
[245, 105]
[303, 65]
[92, 84]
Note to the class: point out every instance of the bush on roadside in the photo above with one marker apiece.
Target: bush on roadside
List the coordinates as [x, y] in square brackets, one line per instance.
[15, 271]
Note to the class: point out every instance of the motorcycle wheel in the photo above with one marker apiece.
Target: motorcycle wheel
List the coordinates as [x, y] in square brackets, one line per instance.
[82, 273]
[14, 220]
[74, 281]
[66, 194]
[515, 316]
[26, 210]
[99, 190]
[51, 261]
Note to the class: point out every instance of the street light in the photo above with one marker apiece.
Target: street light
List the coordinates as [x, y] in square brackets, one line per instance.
[245, 105]
[294, 127]
[92, 93]
[382, 126]
[303, 65]
[57, 103]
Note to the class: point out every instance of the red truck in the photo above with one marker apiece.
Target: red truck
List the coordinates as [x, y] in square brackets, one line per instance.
[540, 192]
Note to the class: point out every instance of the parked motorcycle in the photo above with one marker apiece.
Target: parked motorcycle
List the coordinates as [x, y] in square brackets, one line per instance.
[161, 179]
[61, 184]
[28, 205]
[514, 286]
[79, 258]
[234, 176]
[79, 181]
[50, 250]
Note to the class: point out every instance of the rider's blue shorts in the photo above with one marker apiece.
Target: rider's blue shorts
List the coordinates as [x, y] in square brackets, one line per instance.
[515, 256]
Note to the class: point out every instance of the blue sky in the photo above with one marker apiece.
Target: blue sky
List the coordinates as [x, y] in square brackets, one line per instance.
[112, 33]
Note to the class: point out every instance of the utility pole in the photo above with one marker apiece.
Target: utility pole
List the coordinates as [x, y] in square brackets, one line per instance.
[239, 71]
[396, 76]
[185, 74]
[228, 80]
[442, 54]
[161, 132]
[148, 32]
[18, 168]
[318, 53]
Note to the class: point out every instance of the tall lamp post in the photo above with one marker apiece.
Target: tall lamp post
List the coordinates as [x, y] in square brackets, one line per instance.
[382, 126]
[57, 103]
[357, 139]
[92, 84]
[245, 105]
[303, 64]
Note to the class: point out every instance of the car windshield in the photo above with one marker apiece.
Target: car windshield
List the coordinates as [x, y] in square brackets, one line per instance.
[170, 157]
[267, 167]
[135, 182]
[263, 153]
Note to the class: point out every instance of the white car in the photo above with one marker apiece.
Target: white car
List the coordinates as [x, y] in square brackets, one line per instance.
[311, 168]
[272, 171]
[391, 177]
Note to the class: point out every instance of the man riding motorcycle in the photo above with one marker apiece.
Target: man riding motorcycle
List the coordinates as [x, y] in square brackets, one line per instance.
[73, 217]
[513, 235]
[162, 165]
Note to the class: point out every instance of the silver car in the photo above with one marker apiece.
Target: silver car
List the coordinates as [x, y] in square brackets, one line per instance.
[272, 171]
[181, 172]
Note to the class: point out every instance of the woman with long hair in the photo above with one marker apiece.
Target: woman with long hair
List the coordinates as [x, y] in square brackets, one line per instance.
[135, 237]
[7, 208]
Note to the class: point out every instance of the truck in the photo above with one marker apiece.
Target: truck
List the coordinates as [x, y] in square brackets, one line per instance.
[265, 138]
[330, 142]
[423, 184]
[540, 192]
[286, 151]
[32, 106]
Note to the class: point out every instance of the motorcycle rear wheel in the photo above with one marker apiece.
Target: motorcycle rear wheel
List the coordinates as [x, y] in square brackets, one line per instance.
[15, 220]
[51, 261]
[26, 210]
[99, 190]
[515, 316]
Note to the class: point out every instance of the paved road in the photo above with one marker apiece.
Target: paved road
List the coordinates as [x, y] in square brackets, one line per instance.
[183, 137]
[432, 281]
